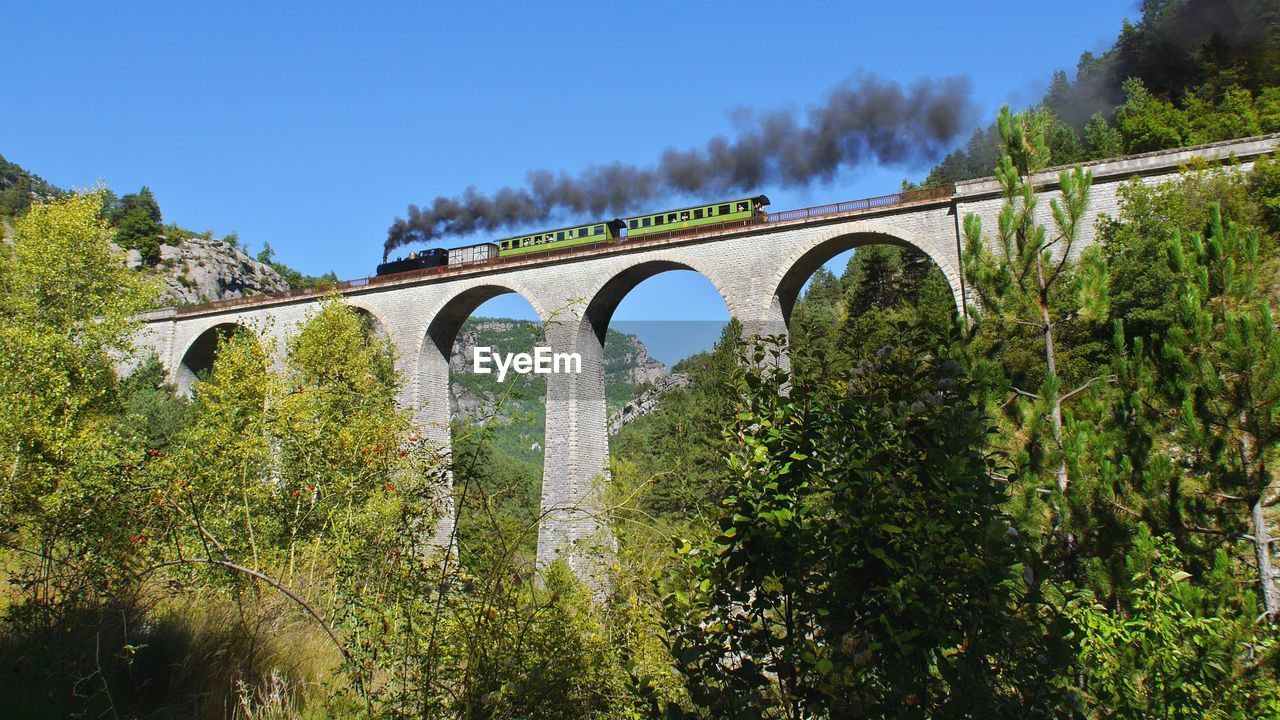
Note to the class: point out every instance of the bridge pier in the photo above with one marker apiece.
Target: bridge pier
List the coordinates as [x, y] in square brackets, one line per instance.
[576, 458]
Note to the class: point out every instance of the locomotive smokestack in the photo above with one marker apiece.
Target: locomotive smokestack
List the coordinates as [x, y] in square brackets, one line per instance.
[865, 119]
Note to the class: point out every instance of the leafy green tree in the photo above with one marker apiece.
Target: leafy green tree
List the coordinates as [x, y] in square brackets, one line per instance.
[20, 188]
[874, 278]
[137, 230]
[1264, 187]
[863, 567]
[1174, 651]
[815, 320]
[1103, 140]
[143, 200]
[152, 410]
[1268, 106]
[1148, 123]
[72, 499]
[1234, 116]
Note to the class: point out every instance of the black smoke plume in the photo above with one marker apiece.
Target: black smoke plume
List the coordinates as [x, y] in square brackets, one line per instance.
[865, 119]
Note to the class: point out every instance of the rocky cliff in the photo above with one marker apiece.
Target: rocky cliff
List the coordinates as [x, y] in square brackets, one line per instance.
[202, 270]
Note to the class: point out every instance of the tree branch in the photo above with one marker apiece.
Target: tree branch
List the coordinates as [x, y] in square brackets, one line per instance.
[1024, 393]
[1085, 386]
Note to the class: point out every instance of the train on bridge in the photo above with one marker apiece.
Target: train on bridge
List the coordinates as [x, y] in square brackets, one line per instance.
[749, 209]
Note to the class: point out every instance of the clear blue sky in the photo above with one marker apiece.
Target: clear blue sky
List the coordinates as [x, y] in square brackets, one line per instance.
[313, 125]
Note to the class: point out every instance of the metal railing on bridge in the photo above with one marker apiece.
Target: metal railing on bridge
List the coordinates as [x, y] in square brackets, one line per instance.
[906, 197]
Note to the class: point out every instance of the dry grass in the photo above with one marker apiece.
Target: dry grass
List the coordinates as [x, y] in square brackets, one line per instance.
[207, 654]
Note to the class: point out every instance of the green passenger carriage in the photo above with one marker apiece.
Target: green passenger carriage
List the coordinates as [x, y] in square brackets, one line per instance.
[711, 214]
[564, 237]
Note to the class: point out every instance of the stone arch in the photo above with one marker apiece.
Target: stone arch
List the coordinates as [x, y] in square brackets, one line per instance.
[577, 453]
[200, 354]
[796, 269]
[448, 317]
[613, 291]
[431, 389]
[377, 325]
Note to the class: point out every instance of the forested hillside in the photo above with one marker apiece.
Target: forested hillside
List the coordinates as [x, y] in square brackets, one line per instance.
[1061, 503]
[1189, 72]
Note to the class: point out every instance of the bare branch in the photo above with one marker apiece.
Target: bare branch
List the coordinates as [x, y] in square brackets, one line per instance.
[1085, 386]
[1024, 393]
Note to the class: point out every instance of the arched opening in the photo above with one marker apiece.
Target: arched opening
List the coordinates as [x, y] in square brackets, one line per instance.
[492, 419]
[199, 358]
[373, 325]
[659, 327]
[650, 318]
[855, 292]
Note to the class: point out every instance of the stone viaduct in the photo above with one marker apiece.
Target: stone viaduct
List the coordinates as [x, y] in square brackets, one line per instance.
[758, 268]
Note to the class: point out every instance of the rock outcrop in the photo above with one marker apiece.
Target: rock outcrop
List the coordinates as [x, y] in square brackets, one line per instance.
[200, 270]
[645, 401]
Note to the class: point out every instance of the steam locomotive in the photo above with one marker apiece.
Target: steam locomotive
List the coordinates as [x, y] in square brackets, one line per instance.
[600, 231]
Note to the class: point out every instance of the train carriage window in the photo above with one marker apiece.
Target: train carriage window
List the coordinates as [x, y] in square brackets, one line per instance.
[599, 230]
[671, 218]
[684, 216]
[645, 222]
[634, 224]
[697, 214]
[560, 235]
[742, 207]
[724, 210]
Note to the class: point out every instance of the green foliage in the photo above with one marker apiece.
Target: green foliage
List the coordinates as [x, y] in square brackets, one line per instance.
[143, 201]
[136, 230]
[862, 566]
[1222, 364]
[1102, 140]
[1264, 189]
[1030, 289]
[139, 224]
[675, 451]
[1149, 123]
[20, 188]
[498, 500]
[151, 410]
[528, 652]
[1173, 652]
[1268, 107]
[295, 279]
[1142, 286]
[72, 493]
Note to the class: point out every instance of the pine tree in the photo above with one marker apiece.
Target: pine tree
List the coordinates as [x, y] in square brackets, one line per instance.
[1030, 282]
[1221, 362]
